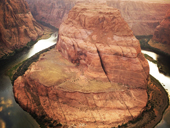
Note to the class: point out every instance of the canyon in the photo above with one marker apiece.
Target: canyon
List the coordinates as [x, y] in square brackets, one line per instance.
[161, 36]
[17, 26]
[162, 32]
[142, 16]
[96, 76]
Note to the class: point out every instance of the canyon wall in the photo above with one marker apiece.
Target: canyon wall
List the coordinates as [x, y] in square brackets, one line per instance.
[17, 26]
[142, 16]
[96, 76]
[162, 31]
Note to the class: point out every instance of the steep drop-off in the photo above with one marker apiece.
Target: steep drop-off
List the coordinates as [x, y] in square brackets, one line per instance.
[162, 31]
[142, 17]
[95, 77]
[17, 26]
[161, 37]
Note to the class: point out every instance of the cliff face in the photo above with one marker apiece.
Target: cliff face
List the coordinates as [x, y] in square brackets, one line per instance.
[104, 43]
[17, 26]
[142, 17]
[50, 11]
[162, 31]
[95, 77]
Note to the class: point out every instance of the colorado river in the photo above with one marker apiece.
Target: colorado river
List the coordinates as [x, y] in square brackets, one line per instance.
[11, 114]
[164, 80]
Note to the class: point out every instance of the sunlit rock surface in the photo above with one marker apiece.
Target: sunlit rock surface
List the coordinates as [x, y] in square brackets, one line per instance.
[142, 16]
[17, 26]
[95, 77]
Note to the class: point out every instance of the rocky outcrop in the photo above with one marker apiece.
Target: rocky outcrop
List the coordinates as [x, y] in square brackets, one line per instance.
[162, 31]
[142, 16]
[101, 44]
[95, 77]
[17, 26]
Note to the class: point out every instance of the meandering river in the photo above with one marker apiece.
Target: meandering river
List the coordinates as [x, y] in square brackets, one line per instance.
[12, 115]
[164, 80]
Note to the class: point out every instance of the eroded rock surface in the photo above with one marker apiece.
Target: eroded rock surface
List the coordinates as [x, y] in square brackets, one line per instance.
[17, 26]
[95, 77]
[162, 31]
[103, 42]
[142, 16]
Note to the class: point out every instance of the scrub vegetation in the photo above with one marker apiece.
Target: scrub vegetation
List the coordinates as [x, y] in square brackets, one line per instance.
[19, 69]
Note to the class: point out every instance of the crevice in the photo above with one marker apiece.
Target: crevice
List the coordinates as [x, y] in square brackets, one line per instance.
[97, 108]
[90, 110]
[101, 62]
[120, 99]
[50, 105]
[111, 49]
[58, 102]
[125, 105]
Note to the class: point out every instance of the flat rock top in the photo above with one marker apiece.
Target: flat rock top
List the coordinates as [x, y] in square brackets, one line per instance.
[53, 70]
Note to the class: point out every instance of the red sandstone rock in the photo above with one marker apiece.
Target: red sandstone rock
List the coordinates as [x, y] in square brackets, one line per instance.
[97, 79]
[162, 31]
[102, 41]
[142, 16]
[17, 26]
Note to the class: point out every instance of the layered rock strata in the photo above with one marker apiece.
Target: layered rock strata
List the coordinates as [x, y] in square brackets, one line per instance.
[17, 26]
[162, 31]
[96, 76]
[142, 16]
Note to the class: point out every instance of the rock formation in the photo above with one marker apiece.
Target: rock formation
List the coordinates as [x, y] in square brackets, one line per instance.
[142, 16]
[17, 26]
[162, 31]
[95, 77]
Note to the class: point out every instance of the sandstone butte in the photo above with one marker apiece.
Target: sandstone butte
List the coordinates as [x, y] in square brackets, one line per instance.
[17, 26]
[142, 16]
[162, 31]
[95, 77]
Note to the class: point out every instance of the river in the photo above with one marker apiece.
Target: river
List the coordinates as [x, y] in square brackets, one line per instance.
[164, 80]
[12, 115]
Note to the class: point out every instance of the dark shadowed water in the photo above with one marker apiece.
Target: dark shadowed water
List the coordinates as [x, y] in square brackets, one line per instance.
[11, 114]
